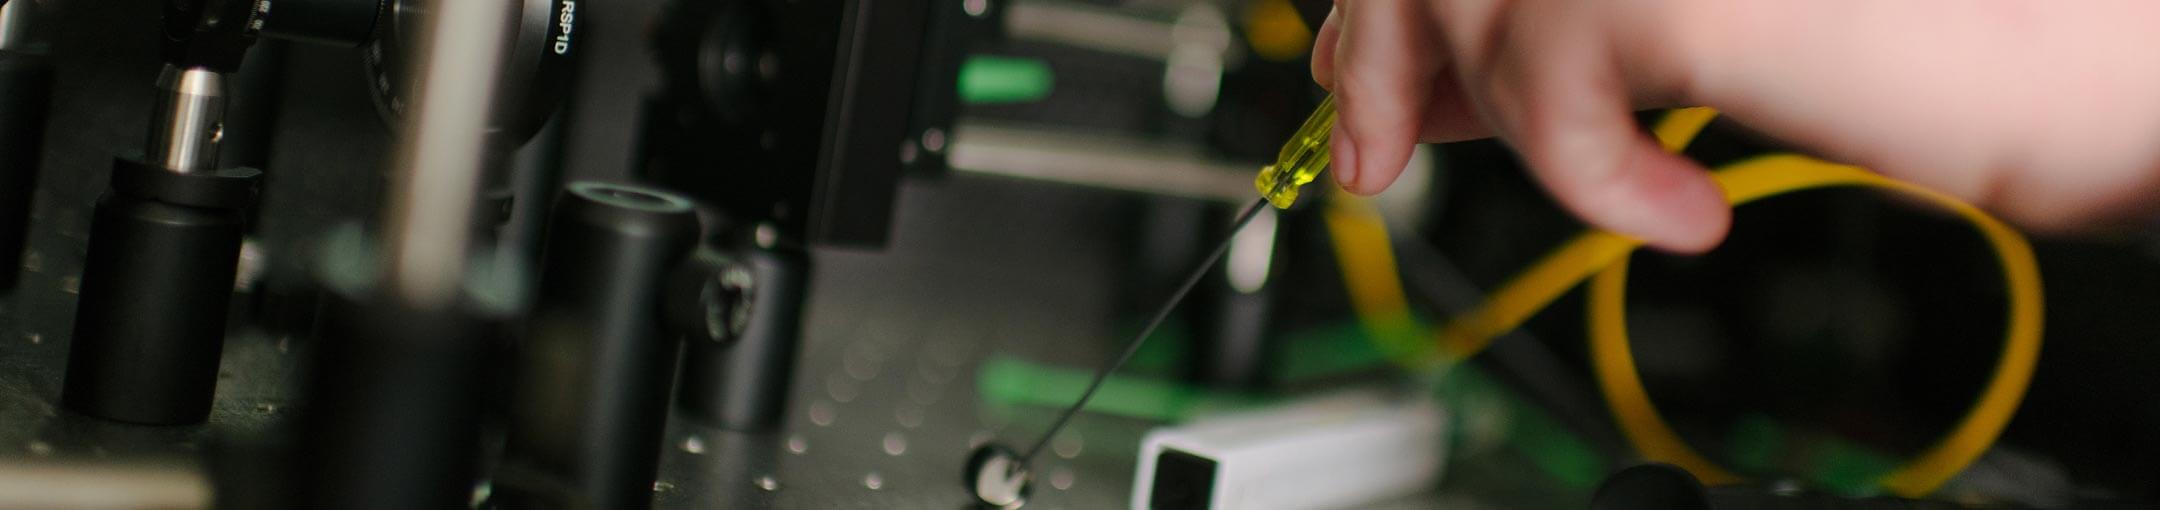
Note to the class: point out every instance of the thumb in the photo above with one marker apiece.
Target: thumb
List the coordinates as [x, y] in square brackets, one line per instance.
[1575, 131]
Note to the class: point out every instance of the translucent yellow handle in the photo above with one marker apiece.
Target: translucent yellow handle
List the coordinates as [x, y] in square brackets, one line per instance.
[1302, 158]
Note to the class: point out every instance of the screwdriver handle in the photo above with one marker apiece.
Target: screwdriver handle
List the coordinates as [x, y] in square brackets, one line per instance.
[1301, 159]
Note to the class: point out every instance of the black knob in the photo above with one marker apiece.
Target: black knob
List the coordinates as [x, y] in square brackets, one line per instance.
[710, 298]
[743, 385]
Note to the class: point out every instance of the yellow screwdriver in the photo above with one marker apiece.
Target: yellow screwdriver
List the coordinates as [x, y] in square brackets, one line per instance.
[1301, 159]
[998, 475]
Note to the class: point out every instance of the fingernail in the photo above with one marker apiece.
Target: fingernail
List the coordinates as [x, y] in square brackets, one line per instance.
[1344, 158]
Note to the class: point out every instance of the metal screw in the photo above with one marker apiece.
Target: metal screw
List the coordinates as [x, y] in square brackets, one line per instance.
[713, 299]
[933, 139]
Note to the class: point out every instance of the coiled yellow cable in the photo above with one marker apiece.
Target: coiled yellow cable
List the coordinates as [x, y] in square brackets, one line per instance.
[1604, 255]
[1366, 257]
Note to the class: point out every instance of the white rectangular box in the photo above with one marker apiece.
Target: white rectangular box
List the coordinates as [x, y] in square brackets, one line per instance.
[1336, 451]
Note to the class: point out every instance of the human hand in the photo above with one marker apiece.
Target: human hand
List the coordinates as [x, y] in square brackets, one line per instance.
[2047, 116]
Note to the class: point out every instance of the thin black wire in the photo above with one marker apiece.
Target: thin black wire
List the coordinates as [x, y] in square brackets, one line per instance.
[1133, 346]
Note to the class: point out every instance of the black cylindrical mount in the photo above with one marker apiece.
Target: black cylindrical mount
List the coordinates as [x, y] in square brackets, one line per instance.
[25, 86]
[396, 393]
[590, 381]
[155, 287]
[744, 385]
[394, 406]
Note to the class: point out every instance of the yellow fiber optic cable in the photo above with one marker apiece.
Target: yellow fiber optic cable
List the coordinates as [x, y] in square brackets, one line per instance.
[1680, 126]
[1376, 295]
[1367, 259]
[1605, 255]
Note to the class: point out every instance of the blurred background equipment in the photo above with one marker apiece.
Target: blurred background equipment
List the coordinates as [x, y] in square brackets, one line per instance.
[831, 254]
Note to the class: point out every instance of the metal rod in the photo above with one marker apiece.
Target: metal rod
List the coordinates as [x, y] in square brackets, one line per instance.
[1133, 346]
[1096, 28]
[189, 120]
[435, 183]
[19, 25]
[1091, 159]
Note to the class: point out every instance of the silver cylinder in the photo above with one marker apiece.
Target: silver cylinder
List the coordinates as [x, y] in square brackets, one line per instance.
[189, 120]
[444, 147]
[18, 23]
